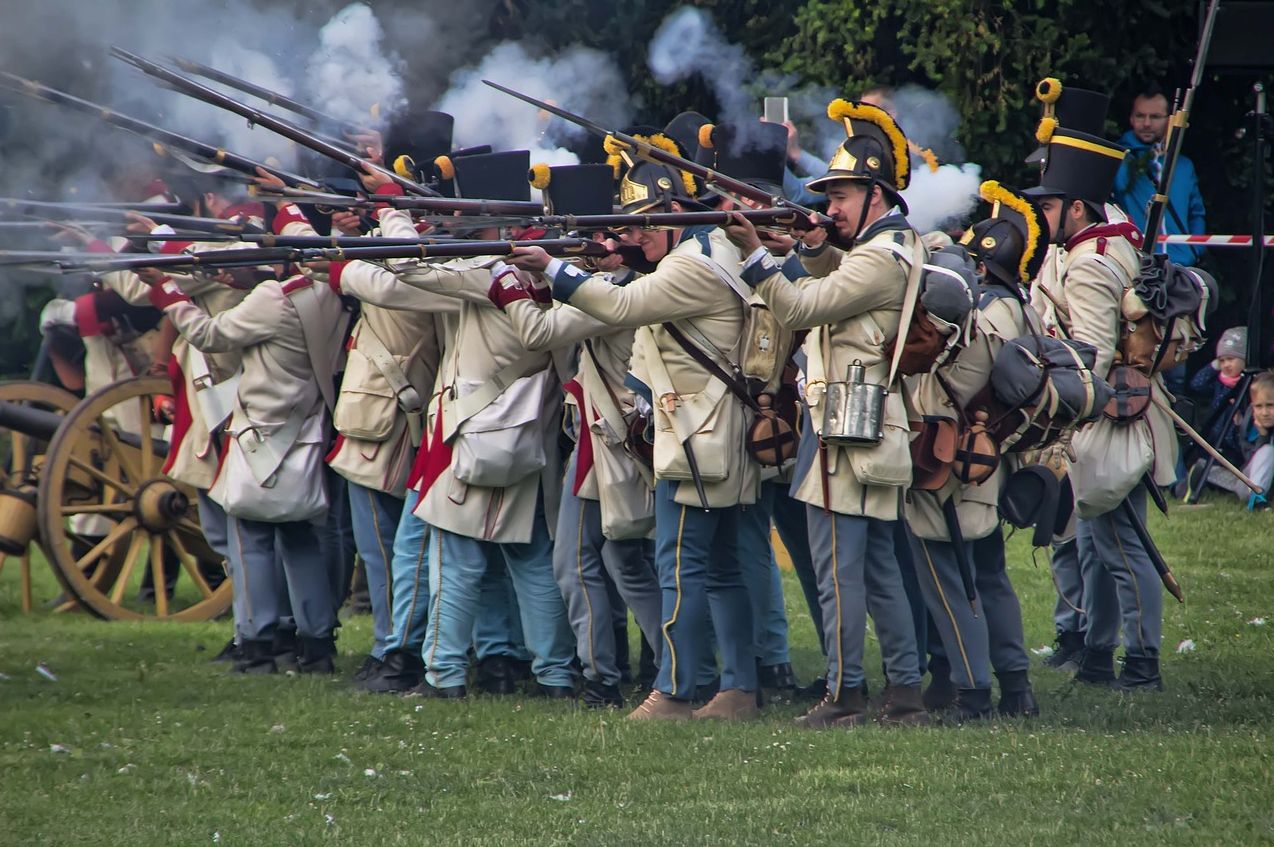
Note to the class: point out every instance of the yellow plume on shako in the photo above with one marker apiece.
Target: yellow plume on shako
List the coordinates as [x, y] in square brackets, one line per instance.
[705, 136]
[539, 176]
[446, 167]
[843, 111]
[992, 192]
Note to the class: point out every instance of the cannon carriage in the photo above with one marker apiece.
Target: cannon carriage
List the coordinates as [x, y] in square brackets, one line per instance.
[85, 484]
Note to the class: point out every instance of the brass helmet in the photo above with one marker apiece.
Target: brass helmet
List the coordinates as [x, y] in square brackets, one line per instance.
[1013, 241]
[651, 186]
[874, 150]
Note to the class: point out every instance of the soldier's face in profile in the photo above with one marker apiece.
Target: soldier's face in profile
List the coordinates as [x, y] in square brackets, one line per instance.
[1051, 208]
[845, 206]
[654, 243]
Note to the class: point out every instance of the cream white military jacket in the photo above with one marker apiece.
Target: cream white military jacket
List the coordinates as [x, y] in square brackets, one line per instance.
[603, 368]
[1002, 316]
[852, 303]
[1094, 276]
[484, 343]
[376, 443]
[686, 289]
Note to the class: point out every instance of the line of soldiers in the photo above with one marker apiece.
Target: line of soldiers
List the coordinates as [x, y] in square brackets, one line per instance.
[528, 447]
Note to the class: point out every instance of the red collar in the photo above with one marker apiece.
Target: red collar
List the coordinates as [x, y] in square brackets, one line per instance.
[1123, 229]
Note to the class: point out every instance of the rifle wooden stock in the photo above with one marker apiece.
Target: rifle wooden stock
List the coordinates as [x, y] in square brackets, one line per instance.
[263, 93]
[157, 135]
[645, 150]
[277, 125]
[422, 249]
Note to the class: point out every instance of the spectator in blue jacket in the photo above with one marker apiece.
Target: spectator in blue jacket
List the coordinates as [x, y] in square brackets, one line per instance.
[1135, 183]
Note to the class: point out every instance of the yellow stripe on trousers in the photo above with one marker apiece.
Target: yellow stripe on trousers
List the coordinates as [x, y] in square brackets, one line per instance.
[676, 609]
[943, 595]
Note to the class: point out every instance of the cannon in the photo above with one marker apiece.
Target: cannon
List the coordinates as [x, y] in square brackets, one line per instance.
[99, 506]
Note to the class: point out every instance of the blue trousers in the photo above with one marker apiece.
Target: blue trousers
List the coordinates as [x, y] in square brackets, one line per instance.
[761, 576]
[375, 516]
[789, 520]
[696, 555]
[1068, 614]
[857, 570]
[456, 580]
[1121, 587]
[409, 575]
[280, 570]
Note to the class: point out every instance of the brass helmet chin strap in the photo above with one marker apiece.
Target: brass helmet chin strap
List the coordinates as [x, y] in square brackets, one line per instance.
[862, 215]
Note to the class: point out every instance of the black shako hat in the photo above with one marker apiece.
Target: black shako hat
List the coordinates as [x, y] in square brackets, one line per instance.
[575, 189]
[1066, 106]
[1078, 166]
[415, 139]
[755, 153]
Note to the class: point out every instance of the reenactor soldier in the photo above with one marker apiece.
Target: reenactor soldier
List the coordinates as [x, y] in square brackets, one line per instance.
[852, 302]
[489, 477]
[689, 309]
[606, 519]
[961, 509]
[1121, 586]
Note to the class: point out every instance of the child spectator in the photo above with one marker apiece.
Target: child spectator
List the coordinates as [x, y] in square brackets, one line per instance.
[1215, 381]
[1255, 429]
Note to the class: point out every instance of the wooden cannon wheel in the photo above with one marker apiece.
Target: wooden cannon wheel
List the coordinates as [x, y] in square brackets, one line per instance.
[24, 454]
[96, 466]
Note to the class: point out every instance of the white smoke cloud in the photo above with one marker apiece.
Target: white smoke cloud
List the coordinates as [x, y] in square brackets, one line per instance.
[579, 79]
[350, 73]
[943, 198]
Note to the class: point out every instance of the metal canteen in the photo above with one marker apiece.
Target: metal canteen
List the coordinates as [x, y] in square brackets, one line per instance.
[854, 409]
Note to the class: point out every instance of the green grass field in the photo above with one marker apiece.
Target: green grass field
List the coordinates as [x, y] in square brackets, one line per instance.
[141, 742]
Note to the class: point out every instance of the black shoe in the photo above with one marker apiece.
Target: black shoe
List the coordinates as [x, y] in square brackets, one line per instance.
[1140, 674]
[286, 649]
[496, 676]
[256, 657]
[553, 692]
[816, 690]
[449, 692]
[521, 669]
[1016, 698]
[1096, 667]
[706, 691]
[399, 671]
[1066, 651]
[971, 704]
[318, 655]
[599, 695]
[229, 653]
[779, 676]
[369, 666]
[941, 692]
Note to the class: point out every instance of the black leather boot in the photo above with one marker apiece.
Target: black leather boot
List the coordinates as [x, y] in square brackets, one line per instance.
[816, 690]
[847, 710]
[399, 671]
[598, 695]
[1096, 667]
[449, 692]
[496, 676]
[780, 676]
[1066, 650]
[229, 653]
[941, 692]
[971, 704]
[286, 649]
[1016, 698]
[256, 657]
[318, 655]
[1141, 673]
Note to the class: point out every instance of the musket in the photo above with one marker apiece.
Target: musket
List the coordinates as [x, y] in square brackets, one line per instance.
[263, 93]
[442, 205]
[17, 205]
[164, 140]
[1156, 558]
[952, 519]
[646, 150]
[287, 129]
[105, 262]
[1176, 134]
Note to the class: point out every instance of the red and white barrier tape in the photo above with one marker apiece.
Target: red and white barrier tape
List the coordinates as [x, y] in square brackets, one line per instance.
[1215, 240]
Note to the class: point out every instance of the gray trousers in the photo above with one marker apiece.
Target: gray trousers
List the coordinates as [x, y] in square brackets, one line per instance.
[761, 576]
[963, 628]
[857, 570]
[279, 571]
[1121, 587]
[1068, 613]
[1005, 633]
[580, 555]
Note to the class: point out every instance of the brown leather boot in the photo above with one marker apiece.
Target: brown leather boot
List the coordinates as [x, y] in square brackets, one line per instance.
[903, 706]
[846, 711]
[733, 704]
[658, 706]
